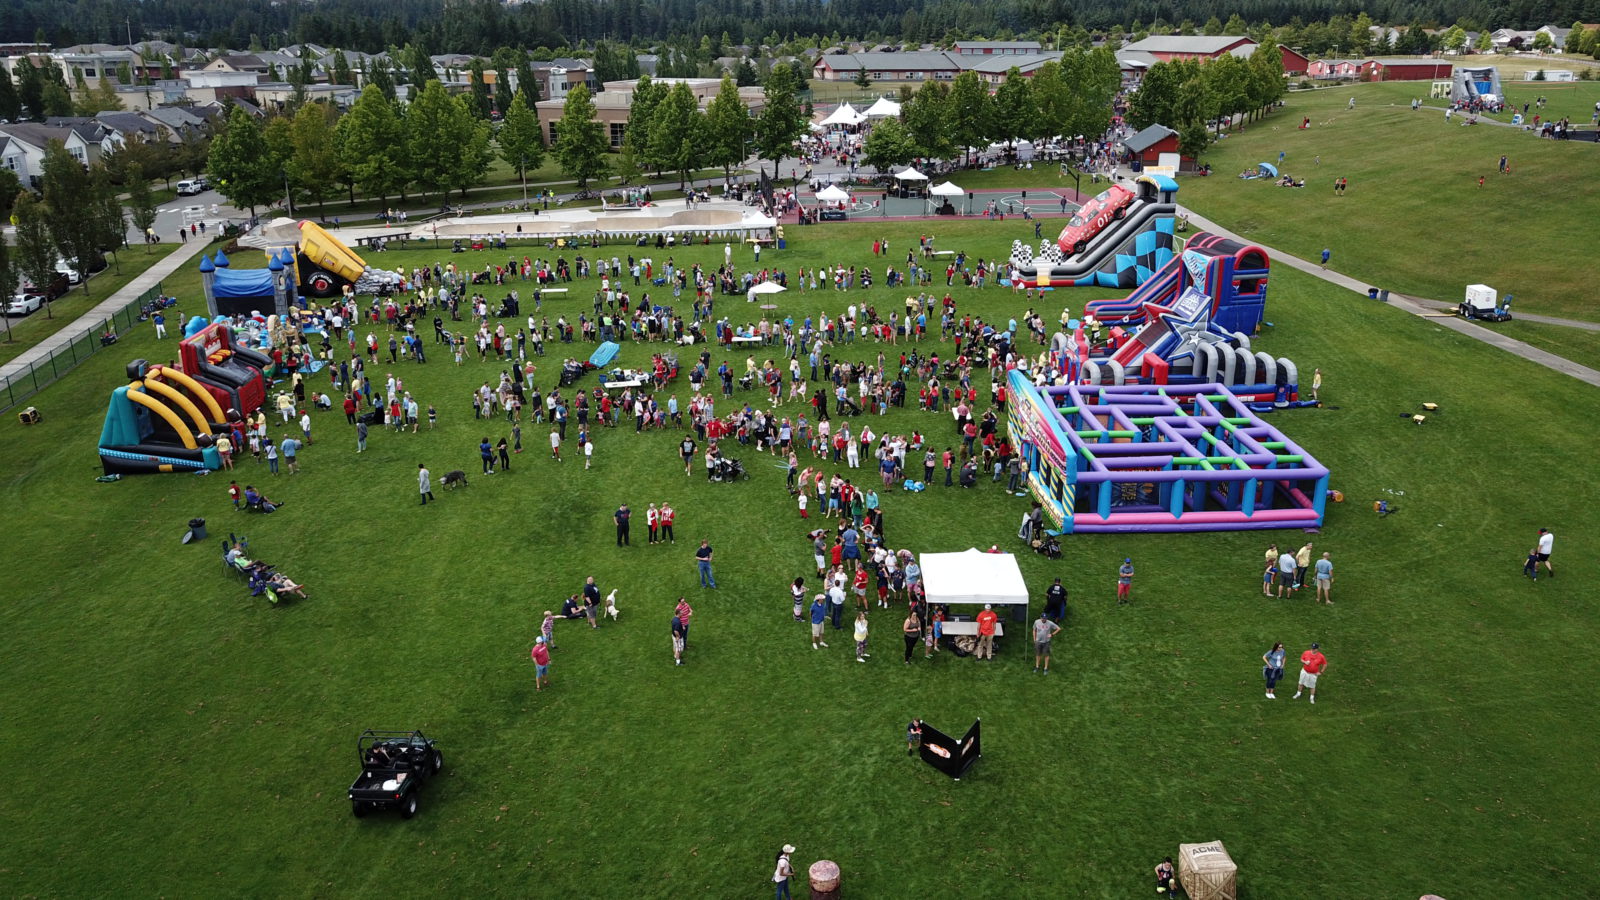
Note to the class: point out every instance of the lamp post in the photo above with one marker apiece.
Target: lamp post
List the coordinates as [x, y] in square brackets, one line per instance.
[288, 197]
[524, 169]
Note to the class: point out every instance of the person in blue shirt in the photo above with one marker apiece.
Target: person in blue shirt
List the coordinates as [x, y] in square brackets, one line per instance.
[486, 453]
[819, 615]
[288, 449]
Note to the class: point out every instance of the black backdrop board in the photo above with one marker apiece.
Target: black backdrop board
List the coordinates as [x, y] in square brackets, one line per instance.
[949, 755]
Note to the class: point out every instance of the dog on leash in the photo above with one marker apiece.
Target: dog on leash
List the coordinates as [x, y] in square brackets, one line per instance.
[611, 605]
[455, 479]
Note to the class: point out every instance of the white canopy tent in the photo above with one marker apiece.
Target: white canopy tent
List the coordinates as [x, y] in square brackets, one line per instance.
[845, 115]
[975, 577]
[883, 109]
[833, 194]
[948, 189]
[910, 174]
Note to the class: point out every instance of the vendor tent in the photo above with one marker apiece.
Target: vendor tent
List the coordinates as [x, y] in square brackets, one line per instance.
[833, 194]
[883, 109]
[1207, 872]
[948, 189]
[975, 577]
[910, 174]
[844, 115]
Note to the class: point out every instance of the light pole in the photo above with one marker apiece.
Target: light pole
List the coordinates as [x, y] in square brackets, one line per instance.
[524, 170]
[288, 197]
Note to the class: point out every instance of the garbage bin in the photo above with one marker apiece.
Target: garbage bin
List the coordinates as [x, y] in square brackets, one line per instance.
[783, 244]
[197, 529]
[1383, 295]
[1372, 293]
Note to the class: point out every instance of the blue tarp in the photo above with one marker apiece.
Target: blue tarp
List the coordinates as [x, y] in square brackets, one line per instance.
[242, 283]
[604, 356]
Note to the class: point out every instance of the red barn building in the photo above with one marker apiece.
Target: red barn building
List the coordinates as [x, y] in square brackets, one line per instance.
[1405, 70]
[1295, 63]
[1148, 145]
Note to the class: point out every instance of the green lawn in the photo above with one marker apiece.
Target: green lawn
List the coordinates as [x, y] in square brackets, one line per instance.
[179, 738]
[1414, 218]
[27, 331]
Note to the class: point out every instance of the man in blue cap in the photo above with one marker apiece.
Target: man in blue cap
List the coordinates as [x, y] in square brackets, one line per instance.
[1125, 581]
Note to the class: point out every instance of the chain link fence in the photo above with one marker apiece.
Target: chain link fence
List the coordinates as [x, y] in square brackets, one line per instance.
[37, 376]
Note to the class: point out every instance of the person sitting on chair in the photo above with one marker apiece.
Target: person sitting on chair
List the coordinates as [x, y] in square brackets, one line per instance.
[254, 499]
[378, 756]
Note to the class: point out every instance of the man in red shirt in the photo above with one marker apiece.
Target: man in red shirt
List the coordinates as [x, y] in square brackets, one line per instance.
[1312, 664]
[541, 662]
[986, 620]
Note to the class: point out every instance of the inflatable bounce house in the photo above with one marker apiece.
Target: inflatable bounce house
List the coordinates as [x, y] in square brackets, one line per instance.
[1191, 323]
[1148, 457]
[245, 292]
[324, 266]
[1476, 83]
[1133, 243]
[164, 418]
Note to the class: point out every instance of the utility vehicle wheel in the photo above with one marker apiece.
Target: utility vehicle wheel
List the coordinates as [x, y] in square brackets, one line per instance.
[410, 809]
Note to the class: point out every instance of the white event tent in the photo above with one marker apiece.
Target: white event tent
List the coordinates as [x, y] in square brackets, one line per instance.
[948, 189]
[910, 174]
[833, 194]
[975, 577]
[884, 108]
[844, 115]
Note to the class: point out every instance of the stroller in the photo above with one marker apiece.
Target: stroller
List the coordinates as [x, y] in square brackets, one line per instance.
[571, 372]
[728, 470]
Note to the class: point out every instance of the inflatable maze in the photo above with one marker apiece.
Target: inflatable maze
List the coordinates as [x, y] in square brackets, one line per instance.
[1128, 249]
[161, 421]
[1129, 458]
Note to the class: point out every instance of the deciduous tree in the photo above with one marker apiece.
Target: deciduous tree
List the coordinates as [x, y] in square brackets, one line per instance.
[580, 145]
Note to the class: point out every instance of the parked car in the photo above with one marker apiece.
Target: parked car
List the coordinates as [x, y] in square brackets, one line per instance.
[1108, 206]
[191, 186]
[66, 269]
[57, 286]
[23, 304]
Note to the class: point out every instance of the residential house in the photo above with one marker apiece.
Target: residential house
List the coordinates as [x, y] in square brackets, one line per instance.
[993, 69]
[1167, 47]
[220, 84]
[237, 62]
[1503, 39]
[1558, 36]
[279, 95]
[1329, 69]
[26, 142]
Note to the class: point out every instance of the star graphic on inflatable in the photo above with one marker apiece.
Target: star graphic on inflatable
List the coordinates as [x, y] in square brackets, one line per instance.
[1191, 311]
[1192, 338]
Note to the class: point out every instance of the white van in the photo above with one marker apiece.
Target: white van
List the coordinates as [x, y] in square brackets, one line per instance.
[192, 186]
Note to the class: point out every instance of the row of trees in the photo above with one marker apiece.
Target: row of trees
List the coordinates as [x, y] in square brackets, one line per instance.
[1189, 95]
[1069, 97]
[76, 217]
[381, 148]
[478, 26]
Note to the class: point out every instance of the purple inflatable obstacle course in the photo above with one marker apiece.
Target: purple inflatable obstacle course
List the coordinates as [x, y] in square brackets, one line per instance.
[1148, 457]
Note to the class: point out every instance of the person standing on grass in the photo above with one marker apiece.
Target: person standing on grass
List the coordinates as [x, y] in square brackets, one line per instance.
[1325, 579]
[555, 444]
[911, 628]
[361, 435]
[679, 636]
[1302, 563]
[913, 736]
[1125, 581]
[501, 448]
[702, 558]
[1327, 254]
[1043, 631]
[665, 517]
[1547, 541]
[591, 601]
[424, 483]
[486, 454]
[621, 517]
[1272, 670]
[1312, 665]
[541, 663]
[1271, 573]
[986, 622]
[1316, 384]
[547, 629]
[819, 617]
[652, 520]
[861, 637]
[1286, 574]
[686, 613]
[782, 872]
[1530, 567]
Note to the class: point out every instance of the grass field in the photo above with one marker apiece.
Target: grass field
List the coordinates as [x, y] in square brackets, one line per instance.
[1414, 218]
[181, 739]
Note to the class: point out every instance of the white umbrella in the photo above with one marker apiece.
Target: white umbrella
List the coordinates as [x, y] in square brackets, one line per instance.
[768, 287]
[910, 174]
[833, 194]
[883, 109]
[948, 189]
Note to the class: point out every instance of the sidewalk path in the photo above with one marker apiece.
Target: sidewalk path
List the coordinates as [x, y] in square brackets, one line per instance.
[92, 319]
[1427, 308]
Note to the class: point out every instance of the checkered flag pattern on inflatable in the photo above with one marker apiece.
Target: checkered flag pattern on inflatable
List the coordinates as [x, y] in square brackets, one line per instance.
[1021, 254]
